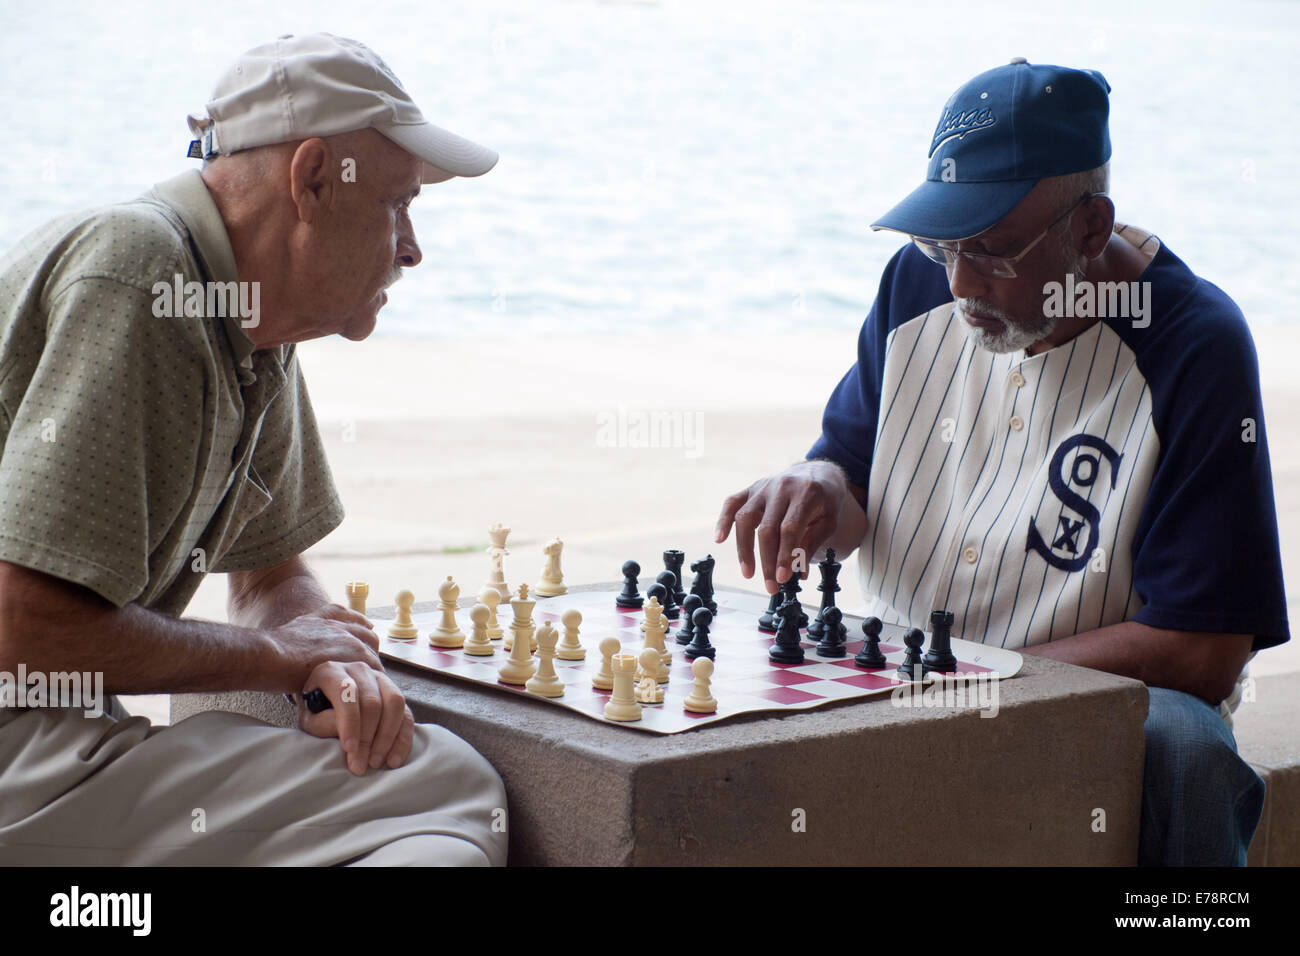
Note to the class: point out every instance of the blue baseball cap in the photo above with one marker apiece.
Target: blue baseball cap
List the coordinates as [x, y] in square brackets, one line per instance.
[997, 137]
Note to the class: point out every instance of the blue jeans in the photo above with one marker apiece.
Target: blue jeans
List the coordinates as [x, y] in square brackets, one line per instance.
[1201, 802]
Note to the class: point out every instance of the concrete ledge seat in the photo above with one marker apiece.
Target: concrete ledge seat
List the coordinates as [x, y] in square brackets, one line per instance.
[273, 709]
[1268, 738]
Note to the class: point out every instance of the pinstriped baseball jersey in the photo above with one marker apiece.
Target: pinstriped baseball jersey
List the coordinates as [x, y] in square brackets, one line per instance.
[1122, 475]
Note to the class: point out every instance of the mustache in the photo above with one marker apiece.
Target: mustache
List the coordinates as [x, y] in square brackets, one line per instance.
[974, 305]
[393, 276]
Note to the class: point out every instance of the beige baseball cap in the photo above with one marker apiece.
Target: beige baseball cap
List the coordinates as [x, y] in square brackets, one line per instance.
[297, 87]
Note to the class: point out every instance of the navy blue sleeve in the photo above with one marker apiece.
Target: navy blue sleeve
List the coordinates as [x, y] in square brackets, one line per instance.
[1206, 555]
[910, 285]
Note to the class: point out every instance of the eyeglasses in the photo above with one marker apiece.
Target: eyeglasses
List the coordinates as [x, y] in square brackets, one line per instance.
[1001, 267]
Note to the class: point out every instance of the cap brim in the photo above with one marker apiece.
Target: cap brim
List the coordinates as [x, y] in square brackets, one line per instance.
[954, 210]
[444, 153]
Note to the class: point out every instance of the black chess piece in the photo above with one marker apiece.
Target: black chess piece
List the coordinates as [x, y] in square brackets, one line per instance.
[672, 609]
[767, 620]
[673, 561]
[790, 592]
[702, 584]
[870, 656]
[940, 656]
[830, 570]
[657, 591]
[914, 638]
[787, 649]
[691, 605]
[833, 634]
[629, 597]
[699, 645]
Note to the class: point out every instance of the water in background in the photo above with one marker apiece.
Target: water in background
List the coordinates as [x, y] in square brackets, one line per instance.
[685, 164]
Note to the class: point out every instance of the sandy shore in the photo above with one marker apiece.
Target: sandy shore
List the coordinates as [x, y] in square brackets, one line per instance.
[616, 447]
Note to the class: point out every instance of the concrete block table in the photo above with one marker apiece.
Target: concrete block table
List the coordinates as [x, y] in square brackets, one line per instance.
[866, 783]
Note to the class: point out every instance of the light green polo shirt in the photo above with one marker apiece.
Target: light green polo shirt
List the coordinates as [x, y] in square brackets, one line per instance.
[138, 453]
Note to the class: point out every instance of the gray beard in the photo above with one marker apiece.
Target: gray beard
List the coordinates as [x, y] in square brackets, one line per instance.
[1012, 338]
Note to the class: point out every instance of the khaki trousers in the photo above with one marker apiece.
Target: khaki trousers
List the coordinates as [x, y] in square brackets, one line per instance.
[222, 789]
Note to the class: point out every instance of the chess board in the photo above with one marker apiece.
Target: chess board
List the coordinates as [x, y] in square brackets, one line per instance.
[744, 680]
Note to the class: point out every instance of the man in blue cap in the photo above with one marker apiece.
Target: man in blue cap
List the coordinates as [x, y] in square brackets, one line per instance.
[1054, 430]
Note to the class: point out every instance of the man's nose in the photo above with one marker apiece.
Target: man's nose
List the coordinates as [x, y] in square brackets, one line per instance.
[408, 250]
[964, 282]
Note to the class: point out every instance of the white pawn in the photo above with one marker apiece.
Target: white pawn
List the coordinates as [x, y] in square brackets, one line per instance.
[603, 679]
[479, 644]
[402, 629]
[700, 700]
[491, 597]
[448, 632]
[622, 704]
[571, 648]
[547, 683]
[552, 582]
[648, 690]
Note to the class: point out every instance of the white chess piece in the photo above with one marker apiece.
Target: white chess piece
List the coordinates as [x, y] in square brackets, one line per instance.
[622, 704]
[655, 627]
[448, 632]
[603, 679]
[402, 629]
[479, 644]
[648, 690]
[546, 683]
[520, 665]
[491, 597]
[498, 551]
[571, 648]
[552, 582]
[357, 592]
[523, 605]
[700, 700]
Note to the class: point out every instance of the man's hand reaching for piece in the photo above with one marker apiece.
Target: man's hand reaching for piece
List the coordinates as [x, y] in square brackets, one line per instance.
[808, 506]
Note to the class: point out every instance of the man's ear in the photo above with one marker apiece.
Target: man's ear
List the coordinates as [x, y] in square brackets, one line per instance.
[310, 186]
[1099, 221]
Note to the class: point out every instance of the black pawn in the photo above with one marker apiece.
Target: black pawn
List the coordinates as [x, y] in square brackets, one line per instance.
[672, 607]
[940, 656]
[870, 656]
[830, 570]
[699, 645]
[767, 620]
[693, 604]
[832, 642]
[658, 591]
[914, 638]
[629, 597]
[703, 582]
[790, 592]
[787, 649]
[673, 561]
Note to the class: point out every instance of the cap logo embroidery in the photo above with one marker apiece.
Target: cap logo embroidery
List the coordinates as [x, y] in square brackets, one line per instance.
[960, 122]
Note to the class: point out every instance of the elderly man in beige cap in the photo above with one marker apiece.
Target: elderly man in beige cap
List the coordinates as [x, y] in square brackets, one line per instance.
[155, 426]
